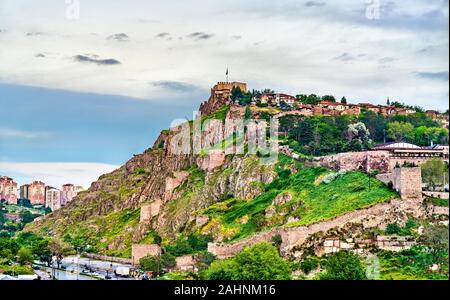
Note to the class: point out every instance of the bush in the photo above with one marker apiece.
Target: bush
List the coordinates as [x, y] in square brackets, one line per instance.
[156, 264]
[393, 229]
[309, 264]
[343, 265]
[259, 262]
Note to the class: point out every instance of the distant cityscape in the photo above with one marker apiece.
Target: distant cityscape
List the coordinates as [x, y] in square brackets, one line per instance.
[37, 193]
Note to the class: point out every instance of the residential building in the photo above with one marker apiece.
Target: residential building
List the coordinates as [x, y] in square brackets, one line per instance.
[37, 193]
[24, 191]
[8, 190]
[68, 193]
[53, 199]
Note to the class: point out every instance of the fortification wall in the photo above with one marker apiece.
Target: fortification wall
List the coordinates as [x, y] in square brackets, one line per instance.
[396, 211]
[408, 182]
[140, 251]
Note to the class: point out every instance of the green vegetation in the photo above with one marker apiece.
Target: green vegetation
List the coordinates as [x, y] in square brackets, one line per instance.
[408, 229]
[157, 264]
[258, 262]
[317, 194]
[322, 135]
[193, 243]
[343, 265]
[435, 173]
[17, 253]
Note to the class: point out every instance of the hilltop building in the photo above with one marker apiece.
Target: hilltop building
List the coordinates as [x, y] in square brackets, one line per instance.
[68, 193]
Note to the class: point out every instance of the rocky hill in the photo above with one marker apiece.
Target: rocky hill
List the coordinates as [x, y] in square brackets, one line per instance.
[224, 198]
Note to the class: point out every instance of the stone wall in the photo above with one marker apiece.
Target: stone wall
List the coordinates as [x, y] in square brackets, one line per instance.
[119, 260]
[440, 195]
[377, 216]
[389, 243]
[440, 210]
[186, 263]
[140, 251]
[149, 211]
[366, 161]
[408, 182]
[395, 243]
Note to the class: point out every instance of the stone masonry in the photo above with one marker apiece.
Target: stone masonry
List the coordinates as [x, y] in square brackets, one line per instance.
[140, 251]
[408, 182]
[397, 211]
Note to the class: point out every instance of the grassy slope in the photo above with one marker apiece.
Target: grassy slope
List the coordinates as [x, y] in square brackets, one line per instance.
[312, 201]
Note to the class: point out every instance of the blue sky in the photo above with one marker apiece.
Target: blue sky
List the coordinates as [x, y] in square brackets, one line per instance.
[84, 85]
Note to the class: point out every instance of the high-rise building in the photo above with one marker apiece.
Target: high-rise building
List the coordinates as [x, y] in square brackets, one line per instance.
[24, 191]
[36, 193]
[8, 190]
[68, 193]
[53, 198]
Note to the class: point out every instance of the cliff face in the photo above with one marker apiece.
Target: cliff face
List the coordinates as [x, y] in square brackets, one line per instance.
[173, 186]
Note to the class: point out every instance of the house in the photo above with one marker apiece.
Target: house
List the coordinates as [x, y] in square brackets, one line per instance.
[370, 107]
[332, 105]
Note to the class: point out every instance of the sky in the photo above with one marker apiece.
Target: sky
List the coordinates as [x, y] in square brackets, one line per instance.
[84, 85]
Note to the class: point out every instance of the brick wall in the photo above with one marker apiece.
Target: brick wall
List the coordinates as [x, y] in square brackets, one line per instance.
[408, 182]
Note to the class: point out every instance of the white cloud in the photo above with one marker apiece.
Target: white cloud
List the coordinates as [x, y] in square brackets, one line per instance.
[54, 173]
[286, 45]
[14, 133]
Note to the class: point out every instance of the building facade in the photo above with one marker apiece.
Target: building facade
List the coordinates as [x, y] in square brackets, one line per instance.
[8, 190]
[68, 193]
[36, 193]
[53, 199]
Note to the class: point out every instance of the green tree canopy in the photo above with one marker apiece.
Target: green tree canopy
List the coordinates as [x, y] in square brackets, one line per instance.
[399, 131]
[258, 262]
[344, 265]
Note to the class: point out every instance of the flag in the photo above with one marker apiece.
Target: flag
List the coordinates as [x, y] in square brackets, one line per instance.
[226, 72]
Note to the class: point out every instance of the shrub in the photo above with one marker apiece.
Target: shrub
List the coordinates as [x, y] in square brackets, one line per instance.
[157, 264]
[259, 262]
[343, 265]
[309, 264]
[393, 229]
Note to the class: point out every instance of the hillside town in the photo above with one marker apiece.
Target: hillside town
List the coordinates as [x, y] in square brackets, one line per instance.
[311, 105]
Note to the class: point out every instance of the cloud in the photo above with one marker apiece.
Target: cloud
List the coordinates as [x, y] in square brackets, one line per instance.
[40, 55]
[162, 35]
[434, 75]
[174, 86]
[15, 133]
[314, 3]
[34, 33]
[200, 35]
[120, 37]
[94, 59]
[56, 173]
[345, 57]
[386, 60]
[236, 37]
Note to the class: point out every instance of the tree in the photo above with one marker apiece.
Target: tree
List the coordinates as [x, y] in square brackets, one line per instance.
[24, 256]
[344, 265]
[436, 239]
[312, 99]
[157, 264]
[259, 262]
[329, 98]
[27, 216]
[358, 136]
[434, 173]
[247, 113]
[344, 100]
[399, 131]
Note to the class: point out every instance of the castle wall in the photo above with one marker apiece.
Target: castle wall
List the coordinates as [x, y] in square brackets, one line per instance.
[408, 182]
[140, 251]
